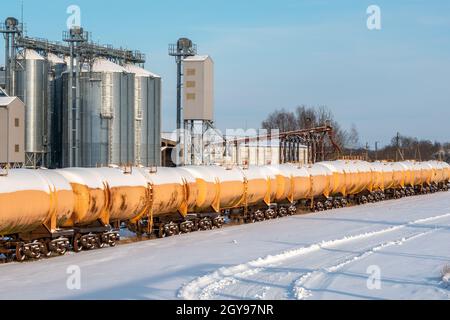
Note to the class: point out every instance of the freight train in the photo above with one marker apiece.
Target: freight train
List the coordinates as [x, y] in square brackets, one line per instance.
[48, 212]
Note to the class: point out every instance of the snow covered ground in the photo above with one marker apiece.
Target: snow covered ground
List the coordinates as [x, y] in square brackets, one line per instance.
[392, 250]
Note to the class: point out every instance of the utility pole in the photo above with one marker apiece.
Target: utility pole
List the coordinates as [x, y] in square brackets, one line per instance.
[367, 151]
[376, 150]
[397, 143]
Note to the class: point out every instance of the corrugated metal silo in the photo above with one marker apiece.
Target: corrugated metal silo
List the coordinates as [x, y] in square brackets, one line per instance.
[57, 67]
[147, 108]
[106, 115]
[32, 89]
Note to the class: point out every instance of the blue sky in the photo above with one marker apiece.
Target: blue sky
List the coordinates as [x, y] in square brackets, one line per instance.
[280, 54]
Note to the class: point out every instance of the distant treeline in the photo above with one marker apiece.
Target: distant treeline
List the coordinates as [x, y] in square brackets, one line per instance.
[400, 147]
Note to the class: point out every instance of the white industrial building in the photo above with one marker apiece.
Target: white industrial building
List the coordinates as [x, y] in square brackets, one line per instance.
[12, 131]
[217, 152]
[198, 88]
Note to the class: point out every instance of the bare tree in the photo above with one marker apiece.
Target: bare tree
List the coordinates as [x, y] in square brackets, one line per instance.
[280, 119]
[306, 117]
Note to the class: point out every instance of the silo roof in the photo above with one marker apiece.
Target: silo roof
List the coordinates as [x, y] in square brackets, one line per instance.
[140, 72]
[30, 54]
[103, 65]
[54, 58]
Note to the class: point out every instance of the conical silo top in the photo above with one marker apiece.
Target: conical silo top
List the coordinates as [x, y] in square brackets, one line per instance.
[140, 72]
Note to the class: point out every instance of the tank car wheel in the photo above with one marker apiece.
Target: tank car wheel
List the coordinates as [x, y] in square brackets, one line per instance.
[62, 250]
[328, 205]
[20, 252]
[112, 243]
[161, 232]
[282, 211]
[270, 214]
[168, 231]
[218, 222]
[76, 243]
[45, 249]
[292, 210]
[363, 200]
[319, 207]
[37, 247]
[185, 227]
[377, 197]
[98, 241]
[259, 215]
[205, 224]
[370, 198]
[344, 203]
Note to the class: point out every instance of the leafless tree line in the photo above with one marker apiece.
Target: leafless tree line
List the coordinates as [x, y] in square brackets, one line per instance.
[410, 148]
[304, 117]
[400, 147]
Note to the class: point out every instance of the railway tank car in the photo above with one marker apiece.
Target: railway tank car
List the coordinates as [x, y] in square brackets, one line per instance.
[47, 212]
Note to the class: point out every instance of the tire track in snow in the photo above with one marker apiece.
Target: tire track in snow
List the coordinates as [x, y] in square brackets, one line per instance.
[205, 287]
[299, 290]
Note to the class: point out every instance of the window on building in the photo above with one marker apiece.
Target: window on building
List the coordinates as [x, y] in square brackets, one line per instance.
[16, 122]
[190, 96]
[190, 72]
[190, 84]
[16, 148]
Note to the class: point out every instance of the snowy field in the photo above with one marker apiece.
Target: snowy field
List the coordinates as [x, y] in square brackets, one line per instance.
[391, 250]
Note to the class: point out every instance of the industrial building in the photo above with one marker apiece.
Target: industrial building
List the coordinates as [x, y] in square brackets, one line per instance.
[12, 133]
[86, 104]
[198, 106]
[198, 88]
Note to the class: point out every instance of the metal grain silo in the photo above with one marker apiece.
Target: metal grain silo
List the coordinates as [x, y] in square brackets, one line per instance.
[147, 108]
[57, 67]
[32, 89]
[106, 115]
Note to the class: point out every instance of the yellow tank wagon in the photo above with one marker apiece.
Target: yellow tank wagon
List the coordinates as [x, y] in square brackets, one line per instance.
[44, 212]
